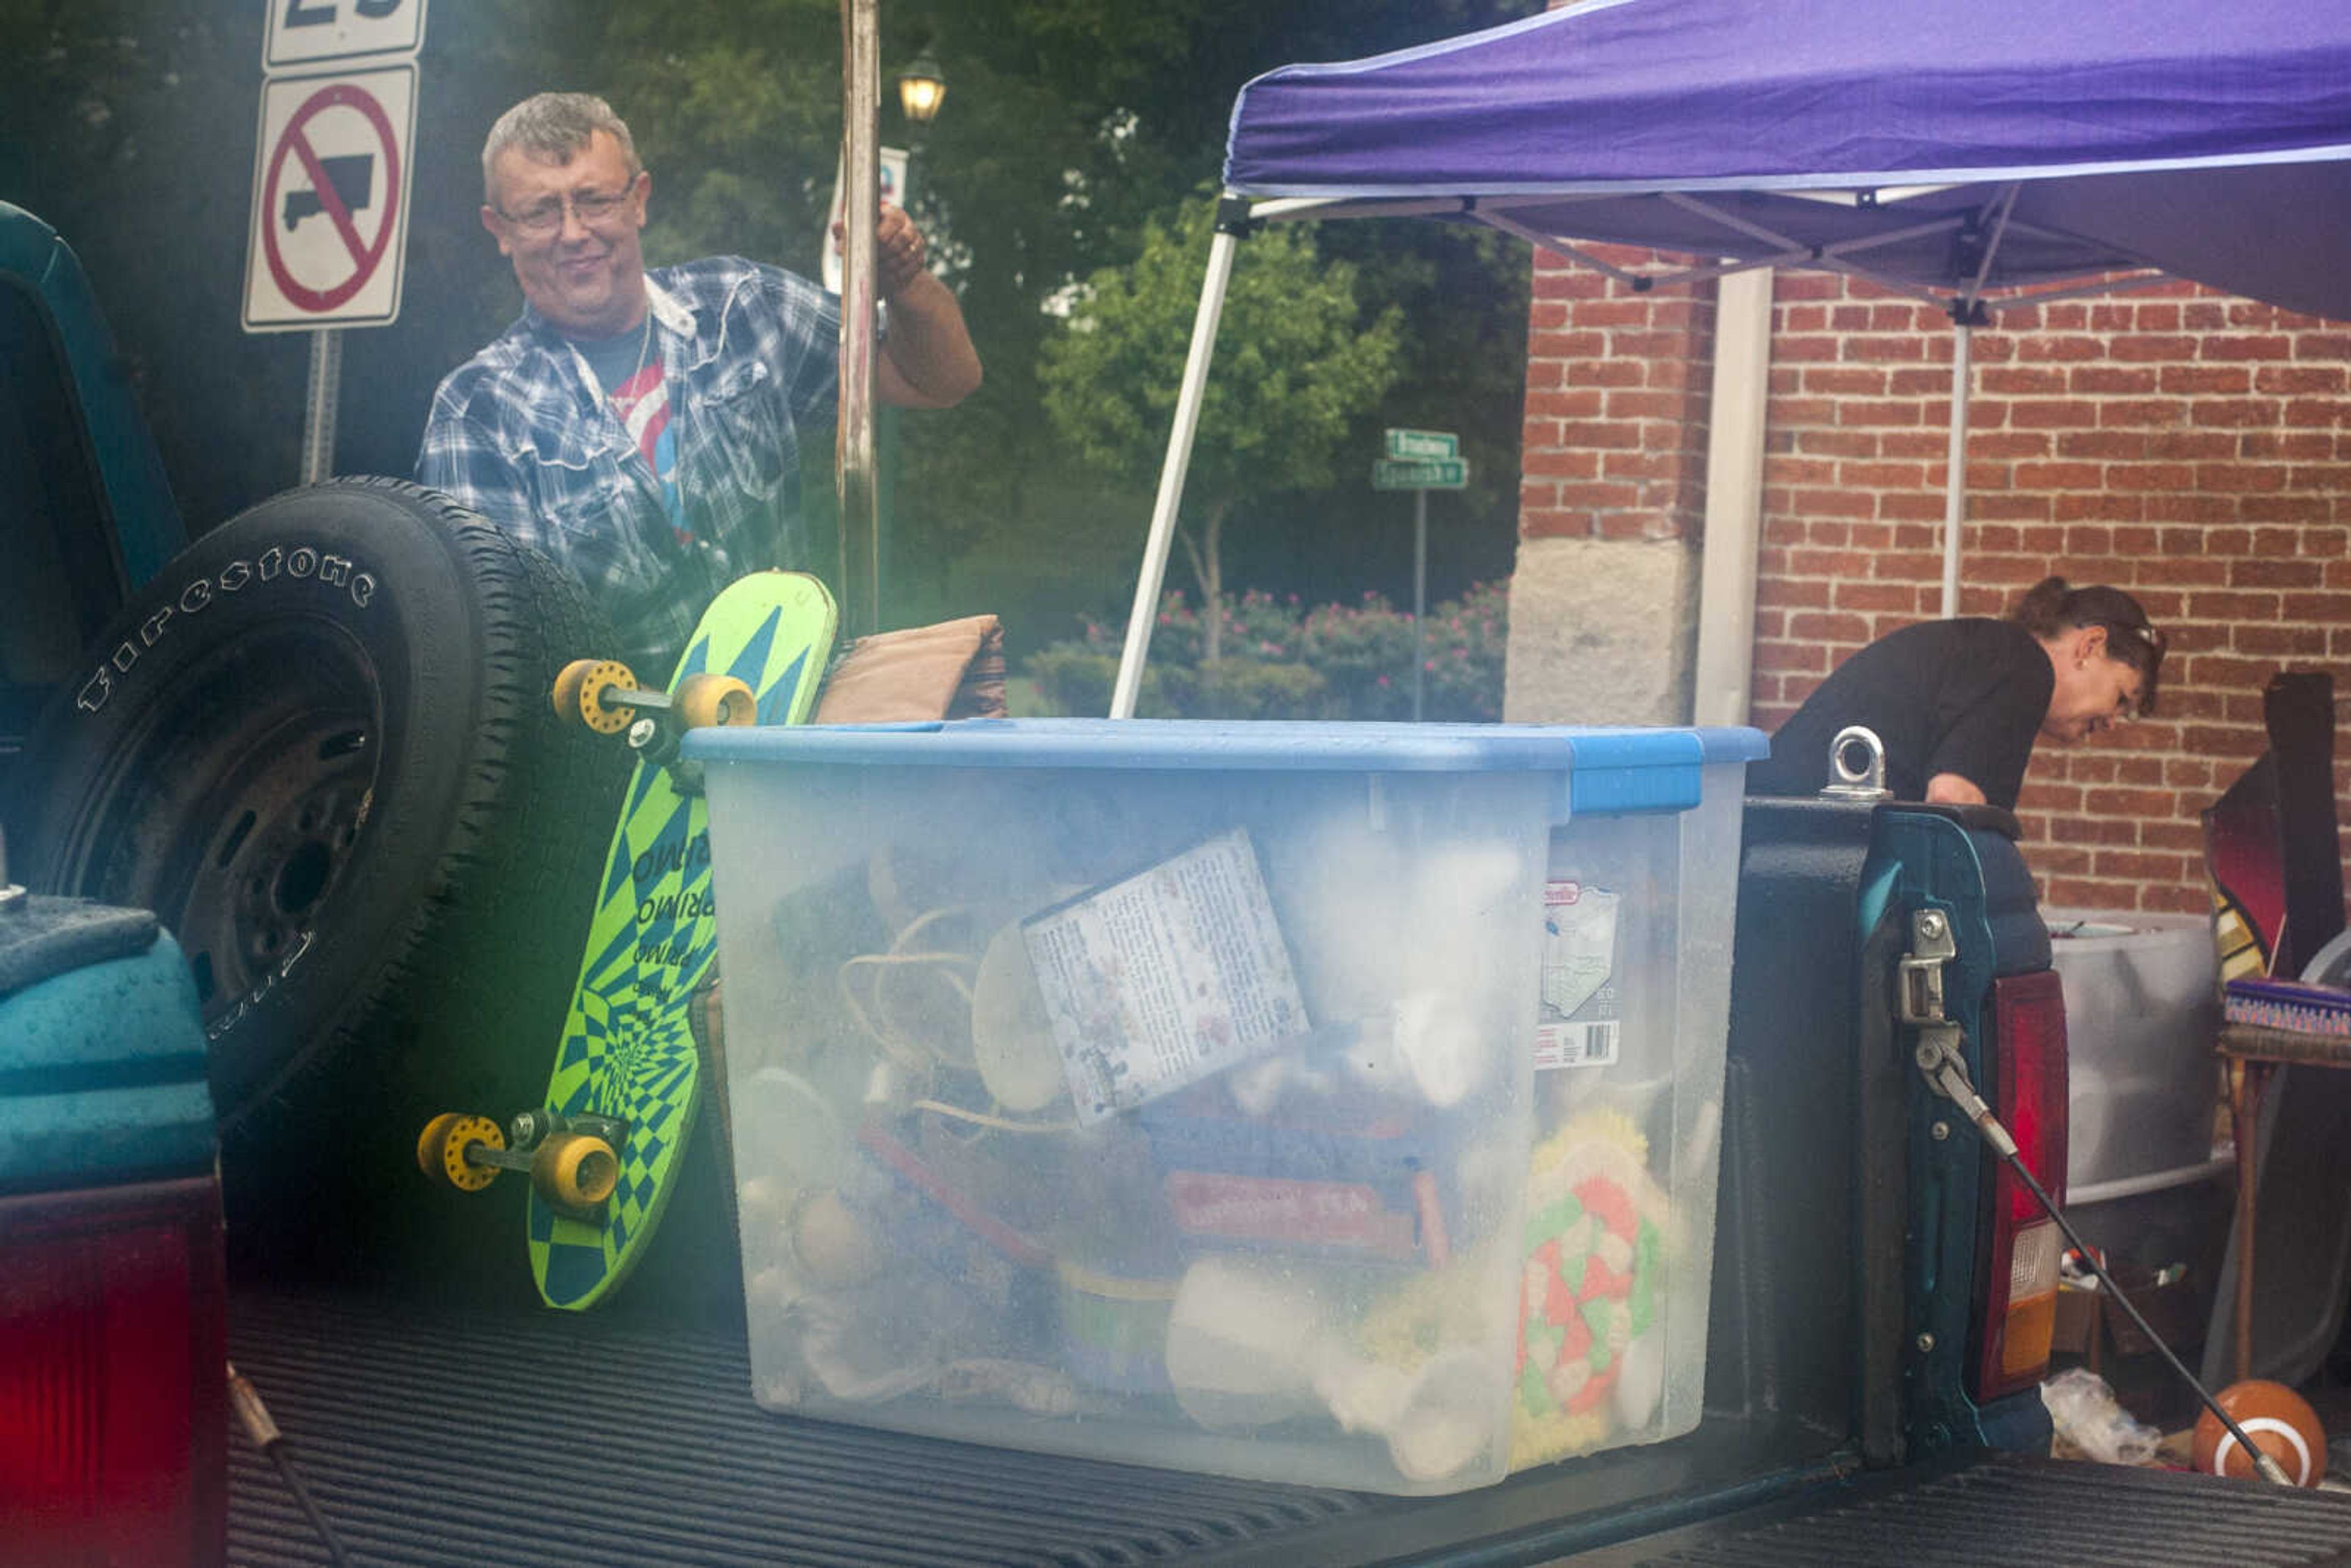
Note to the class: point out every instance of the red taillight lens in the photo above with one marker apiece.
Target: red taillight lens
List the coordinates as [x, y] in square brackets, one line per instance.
[113, 1359]
[2019, 1308]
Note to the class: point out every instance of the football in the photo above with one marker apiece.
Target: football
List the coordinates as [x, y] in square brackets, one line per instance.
[2279, 1421]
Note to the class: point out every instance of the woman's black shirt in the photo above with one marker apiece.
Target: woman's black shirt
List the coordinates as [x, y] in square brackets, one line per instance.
[1946, 697]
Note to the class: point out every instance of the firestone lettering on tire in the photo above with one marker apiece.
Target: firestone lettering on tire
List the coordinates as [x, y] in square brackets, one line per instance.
[253, 999]
[302, 562]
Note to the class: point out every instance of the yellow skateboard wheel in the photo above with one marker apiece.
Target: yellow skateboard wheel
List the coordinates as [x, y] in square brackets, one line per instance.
[579, 692]
[568, 682]
[441, 1149]
[706, 701]
[428, 1142]
[574, 1170]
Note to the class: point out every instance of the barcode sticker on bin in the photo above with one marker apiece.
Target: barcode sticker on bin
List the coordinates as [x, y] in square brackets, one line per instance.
[1578, 1025]
[1162, 979]
[1575, 1044]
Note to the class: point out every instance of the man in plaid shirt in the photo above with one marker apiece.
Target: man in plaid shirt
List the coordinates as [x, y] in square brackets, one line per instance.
[643, 428]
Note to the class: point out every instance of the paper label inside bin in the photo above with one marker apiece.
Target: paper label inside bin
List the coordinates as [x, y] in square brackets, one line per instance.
[1578, 1025]
[1164, 978]
[1286, 1212]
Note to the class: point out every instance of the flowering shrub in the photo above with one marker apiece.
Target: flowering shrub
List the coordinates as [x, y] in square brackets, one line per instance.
[1283, 660]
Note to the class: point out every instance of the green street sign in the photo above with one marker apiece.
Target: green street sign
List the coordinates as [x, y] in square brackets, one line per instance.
[1423, 443]
[1438, 474]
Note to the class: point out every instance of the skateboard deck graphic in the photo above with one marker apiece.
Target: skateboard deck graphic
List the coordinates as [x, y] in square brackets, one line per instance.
[627, 1050]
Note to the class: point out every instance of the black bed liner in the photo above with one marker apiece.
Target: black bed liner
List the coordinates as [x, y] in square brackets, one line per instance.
[434, 1438]
[430, 1437]
[2004, 1511]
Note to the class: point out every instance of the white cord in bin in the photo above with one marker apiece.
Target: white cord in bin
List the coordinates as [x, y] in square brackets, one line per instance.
[1012, 1048]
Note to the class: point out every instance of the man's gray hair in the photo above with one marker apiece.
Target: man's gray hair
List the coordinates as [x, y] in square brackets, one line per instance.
[554, 128]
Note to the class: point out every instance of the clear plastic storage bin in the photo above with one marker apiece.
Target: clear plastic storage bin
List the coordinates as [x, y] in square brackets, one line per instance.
[1328, 1103]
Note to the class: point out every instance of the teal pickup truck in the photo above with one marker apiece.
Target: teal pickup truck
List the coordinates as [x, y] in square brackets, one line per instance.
[310, 742]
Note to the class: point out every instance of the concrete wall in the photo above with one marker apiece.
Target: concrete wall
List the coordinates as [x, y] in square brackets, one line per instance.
[1612, 494]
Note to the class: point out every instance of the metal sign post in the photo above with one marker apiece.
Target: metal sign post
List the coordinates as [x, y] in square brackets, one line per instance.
[1420, 461]
[1419, 598]
[319, 417]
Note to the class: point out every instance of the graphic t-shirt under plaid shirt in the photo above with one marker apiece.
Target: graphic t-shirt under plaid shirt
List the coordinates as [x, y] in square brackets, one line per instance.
[522, 434]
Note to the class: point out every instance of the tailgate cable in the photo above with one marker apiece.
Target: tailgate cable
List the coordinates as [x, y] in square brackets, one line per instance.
[1946, 1071]
[254, 1417]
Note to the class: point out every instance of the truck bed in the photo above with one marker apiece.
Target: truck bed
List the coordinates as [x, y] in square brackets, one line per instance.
[629, 1437]
[527, 1439]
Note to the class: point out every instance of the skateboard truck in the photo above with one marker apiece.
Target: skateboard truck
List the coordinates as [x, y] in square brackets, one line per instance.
[571, 1160]
[604, 695]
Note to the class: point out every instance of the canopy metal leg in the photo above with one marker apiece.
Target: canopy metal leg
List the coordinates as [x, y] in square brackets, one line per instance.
[1955, 484]
[1188, 398]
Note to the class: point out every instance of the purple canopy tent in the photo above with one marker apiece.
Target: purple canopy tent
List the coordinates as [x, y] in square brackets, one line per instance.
[1982, 156]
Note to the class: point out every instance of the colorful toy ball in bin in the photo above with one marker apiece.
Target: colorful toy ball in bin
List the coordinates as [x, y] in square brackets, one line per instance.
[2280, 1422]
[1589, 1365]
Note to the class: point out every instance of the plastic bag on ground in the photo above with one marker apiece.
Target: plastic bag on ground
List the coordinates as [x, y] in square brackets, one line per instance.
[2089, 1419]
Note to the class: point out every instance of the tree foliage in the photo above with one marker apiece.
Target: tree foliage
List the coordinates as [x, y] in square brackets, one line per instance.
[1295, 364]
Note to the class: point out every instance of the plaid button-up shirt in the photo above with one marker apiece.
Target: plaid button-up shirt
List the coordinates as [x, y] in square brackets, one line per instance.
[522, 434]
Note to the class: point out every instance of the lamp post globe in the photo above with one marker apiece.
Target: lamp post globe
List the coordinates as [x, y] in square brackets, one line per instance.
[920, 90]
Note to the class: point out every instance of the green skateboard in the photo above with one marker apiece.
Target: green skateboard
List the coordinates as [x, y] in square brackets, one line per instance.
[620, 1104]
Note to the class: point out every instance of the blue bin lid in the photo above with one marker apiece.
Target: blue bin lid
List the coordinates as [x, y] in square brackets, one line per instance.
[1606, 770]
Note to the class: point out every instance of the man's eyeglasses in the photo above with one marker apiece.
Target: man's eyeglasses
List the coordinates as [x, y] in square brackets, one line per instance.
[592, 208]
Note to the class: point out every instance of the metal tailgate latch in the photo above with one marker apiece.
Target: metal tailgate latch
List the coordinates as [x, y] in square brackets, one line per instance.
[1938, 1052]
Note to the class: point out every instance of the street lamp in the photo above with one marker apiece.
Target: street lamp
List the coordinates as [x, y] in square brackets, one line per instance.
[920, 90]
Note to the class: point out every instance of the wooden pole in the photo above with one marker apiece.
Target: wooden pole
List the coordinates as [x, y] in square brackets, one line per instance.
[860, 58]
[2246, 1081]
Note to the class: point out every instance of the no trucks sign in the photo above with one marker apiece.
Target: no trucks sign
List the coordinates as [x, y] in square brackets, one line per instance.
[331, 201]
[329, 231]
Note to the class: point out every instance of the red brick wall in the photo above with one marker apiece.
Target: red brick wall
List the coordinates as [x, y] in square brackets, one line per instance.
[1615, 432]
[2191, 448]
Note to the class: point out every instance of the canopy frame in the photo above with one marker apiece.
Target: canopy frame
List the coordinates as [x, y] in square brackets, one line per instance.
[1970, 305]
[1922, 151]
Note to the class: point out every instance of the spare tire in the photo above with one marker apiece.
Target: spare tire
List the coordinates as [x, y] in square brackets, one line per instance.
[318, 744]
